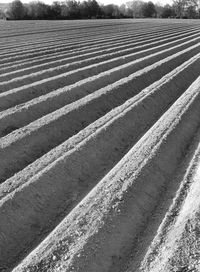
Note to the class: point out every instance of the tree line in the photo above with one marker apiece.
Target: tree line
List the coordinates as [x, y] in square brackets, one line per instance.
[91, 9]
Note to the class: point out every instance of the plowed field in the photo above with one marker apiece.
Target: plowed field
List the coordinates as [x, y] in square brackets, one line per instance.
[100, 146]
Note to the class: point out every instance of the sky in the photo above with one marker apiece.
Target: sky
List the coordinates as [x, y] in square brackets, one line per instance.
[117, 2]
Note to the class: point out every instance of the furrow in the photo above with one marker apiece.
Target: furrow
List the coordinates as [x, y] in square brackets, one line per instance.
[99, 145]
[127, 41]
[28, 143]
[81, 42]
[74, 45]
[27, 92]
[21, 115]
[131, 47]
[180, 221]
[90, 151]
[125, 54]
[49, 40]
[102, 227]
[45, 31]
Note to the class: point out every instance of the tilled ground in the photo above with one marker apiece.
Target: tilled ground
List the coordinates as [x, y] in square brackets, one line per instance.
[99, 139]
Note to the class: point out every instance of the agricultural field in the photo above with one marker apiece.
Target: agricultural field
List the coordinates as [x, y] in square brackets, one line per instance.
[100, 146]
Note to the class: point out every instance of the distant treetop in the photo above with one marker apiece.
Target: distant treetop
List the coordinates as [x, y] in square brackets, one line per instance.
[91, 9]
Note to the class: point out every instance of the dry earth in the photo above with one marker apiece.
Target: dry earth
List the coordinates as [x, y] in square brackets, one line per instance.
[100, 146]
